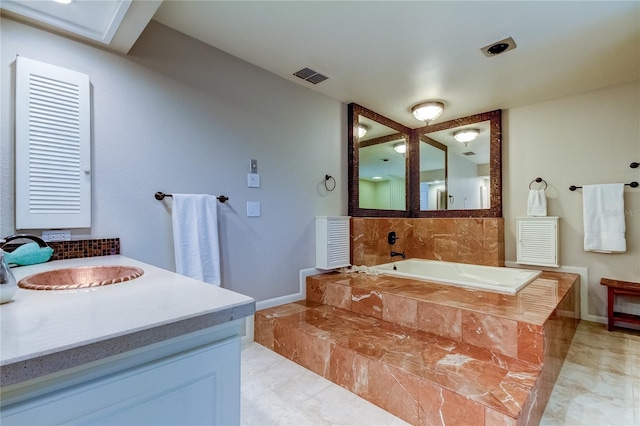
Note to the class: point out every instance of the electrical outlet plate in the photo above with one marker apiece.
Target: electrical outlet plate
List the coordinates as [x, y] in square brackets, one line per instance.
[56, 235]
[253, 180]
[253, 209]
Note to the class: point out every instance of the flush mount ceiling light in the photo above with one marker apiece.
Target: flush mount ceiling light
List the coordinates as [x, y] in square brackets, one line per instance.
[427, 111]
[400, 148]
[362, 130]
[64, 1]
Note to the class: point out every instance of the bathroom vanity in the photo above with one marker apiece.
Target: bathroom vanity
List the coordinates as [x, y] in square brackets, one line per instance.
[159, 349]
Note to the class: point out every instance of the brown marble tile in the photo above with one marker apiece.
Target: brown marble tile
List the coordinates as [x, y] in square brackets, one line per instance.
[465, 240]
[496, 418]
[366, 302]
[400, 310]
[487, 331]
[315, 289]
[337, 295]
[438, 406]
[441, 320]
[394, 390]
[314, 353]
[530, 342]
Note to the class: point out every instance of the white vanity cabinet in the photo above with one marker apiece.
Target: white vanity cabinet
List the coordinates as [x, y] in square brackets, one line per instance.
[161, 349]
[200, 386]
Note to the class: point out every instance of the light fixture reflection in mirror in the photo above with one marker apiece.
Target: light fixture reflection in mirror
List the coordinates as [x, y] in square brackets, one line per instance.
[382, 165]
[467, 184]
[400, 148]
[466, 135]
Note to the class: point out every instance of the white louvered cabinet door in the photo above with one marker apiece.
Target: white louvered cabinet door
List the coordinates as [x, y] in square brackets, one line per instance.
[332, 242]
[537, 241]
[53, 147]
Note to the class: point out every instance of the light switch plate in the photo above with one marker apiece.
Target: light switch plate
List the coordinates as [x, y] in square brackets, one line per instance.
[253, 166]
[253, 180]
[253, 209]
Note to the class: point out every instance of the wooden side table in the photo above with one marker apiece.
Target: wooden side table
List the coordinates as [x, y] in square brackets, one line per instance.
[623, 288]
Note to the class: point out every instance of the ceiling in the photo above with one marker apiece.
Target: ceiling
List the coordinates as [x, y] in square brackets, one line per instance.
[390, 55]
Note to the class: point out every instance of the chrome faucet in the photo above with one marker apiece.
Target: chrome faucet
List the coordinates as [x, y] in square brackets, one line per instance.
[395, 253]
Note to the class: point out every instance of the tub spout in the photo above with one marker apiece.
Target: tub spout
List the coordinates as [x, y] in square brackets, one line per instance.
[395, 253]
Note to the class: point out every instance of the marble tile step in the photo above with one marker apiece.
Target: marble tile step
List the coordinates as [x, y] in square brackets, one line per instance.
[513, 325]
[420, 377]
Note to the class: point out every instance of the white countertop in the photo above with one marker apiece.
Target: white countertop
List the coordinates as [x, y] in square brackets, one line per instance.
[72, 323]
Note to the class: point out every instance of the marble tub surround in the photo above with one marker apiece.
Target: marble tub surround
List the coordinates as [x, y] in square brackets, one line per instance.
[430, 354]
[477, 241]
[598, 385]
[45, 332]
[495, 321]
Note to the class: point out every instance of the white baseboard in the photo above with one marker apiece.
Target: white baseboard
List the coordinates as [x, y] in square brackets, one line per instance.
[289, 298]
[584, 286]
[282, 300]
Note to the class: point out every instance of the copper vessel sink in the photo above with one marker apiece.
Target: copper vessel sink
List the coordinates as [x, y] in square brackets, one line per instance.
[80, 277]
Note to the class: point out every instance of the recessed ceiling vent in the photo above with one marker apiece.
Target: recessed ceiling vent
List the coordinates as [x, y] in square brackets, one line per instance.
[469, 153]
[310, 75]
[499, 47]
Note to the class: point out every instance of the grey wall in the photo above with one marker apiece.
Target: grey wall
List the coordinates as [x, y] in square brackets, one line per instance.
[178, 116]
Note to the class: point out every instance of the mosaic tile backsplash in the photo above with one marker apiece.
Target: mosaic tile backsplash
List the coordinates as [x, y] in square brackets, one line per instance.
[478, 241]
[80, 248]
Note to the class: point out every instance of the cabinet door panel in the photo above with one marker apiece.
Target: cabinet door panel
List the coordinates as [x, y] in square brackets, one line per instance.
[200, 386]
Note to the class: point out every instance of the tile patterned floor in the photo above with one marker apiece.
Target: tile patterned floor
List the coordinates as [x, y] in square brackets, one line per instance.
[599, 385]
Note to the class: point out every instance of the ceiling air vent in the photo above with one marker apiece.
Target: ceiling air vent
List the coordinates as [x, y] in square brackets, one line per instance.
[310, 75]
[469, 153]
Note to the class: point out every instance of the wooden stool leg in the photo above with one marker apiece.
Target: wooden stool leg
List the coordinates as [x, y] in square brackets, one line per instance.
[610, 300]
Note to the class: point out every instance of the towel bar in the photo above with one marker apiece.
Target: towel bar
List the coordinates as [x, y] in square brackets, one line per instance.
[632, 184]
[160, 196]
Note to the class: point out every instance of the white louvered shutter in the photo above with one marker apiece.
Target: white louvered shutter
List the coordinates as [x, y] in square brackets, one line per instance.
[537, 241]
[53, 147]
[332, 242]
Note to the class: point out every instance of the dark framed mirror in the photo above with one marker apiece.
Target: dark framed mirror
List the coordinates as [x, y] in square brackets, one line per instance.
[473, 168]
[443, 177]
[379, 160]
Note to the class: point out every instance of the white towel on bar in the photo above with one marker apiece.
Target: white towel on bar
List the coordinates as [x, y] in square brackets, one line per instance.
[603, 211]
[537, 203]
[195, 236]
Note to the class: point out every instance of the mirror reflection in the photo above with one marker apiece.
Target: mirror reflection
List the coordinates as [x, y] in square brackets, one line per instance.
[442, 174]
[382, 166]
[464, 181]
[433, 174]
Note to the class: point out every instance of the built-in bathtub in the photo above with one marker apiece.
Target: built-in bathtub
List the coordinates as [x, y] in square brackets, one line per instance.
[489, 278]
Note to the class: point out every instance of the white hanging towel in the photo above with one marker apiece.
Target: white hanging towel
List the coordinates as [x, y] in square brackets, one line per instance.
[603, 211]
[537, 203]
[195, 237]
